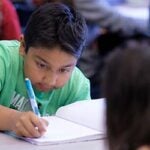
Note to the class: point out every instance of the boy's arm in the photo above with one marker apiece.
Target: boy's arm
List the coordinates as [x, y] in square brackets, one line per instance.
[22, 123]
[6, 118]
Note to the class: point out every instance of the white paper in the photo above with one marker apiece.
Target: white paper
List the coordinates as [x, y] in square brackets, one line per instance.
[80, 121]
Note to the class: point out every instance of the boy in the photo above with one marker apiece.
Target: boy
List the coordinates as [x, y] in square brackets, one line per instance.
[47, 55]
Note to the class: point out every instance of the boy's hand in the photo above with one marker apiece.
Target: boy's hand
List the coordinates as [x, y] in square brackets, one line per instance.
[29, 125]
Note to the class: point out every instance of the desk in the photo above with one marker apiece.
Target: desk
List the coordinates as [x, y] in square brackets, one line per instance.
[8, 142]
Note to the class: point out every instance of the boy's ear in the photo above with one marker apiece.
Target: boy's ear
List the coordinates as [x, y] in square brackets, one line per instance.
[22, 46]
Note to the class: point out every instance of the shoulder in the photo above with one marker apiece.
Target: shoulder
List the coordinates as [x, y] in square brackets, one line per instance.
[9, 60]
[9, 50]
[78, 76]
[9, 43]
[79, 84]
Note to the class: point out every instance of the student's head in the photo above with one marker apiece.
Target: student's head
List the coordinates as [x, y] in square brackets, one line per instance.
[126, 86]
[53, 41]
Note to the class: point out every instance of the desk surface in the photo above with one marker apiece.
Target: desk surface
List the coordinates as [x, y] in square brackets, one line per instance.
[8, 142]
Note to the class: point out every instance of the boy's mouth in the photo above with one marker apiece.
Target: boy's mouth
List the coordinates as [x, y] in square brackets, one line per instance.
[44, 87]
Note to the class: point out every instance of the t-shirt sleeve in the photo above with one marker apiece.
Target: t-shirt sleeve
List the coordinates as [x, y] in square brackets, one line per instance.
[2, 72]
[79, 88]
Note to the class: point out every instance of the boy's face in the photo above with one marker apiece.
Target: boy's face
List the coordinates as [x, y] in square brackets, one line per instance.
[47, 69]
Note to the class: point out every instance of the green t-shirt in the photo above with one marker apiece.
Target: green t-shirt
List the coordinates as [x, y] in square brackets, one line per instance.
[13, 92]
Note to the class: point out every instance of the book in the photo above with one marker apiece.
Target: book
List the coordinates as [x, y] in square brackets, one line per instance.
[76, 122]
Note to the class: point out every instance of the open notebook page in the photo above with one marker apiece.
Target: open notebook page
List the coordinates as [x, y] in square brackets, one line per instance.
[90, 113]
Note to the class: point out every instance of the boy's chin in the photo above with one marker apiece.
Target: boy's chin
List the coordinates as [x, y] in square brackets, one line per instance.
[41, 89]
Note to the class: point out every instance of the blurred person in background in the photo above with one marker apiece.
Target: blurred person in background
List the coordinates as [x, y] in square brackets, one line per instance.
[9, 23]
[107, 30]
[126, 87]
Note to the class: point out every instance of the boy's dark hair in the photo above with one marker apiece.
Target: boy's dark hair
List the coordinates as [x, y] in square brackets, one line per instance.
[126, 86]
[55, 24]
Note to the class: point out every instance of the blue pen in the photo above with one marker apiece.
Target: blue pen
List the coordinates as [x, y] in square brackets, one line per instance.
[32, 97]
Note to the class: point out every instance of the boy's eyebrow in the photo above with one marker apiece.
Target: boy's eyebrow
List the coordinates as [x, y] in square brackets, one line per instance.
[42, 59]
[68, 65]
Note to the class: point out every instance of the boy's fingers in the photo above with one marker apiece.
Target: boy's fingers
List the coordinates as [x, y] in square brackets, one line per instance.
[46, 123]
[33, 130]
[42, 126]
[39, 123]
[29, 125]
[23, 132]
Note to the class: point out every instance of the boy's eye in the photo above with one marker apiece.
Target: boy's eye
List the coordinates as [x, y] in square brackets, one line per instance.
[64, 70]
[41, 65]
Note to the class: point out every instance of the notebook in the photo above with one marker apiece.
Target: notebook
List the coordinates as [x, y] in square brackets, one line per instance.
[76, 122]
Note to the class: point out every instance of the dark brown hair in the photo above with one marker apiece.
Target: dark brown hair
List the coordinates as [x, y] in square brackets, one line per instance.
[126, 86]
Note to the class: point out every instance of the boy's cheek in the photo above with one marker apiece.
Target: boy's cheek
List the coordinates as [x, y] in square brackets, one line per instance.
[62, 81]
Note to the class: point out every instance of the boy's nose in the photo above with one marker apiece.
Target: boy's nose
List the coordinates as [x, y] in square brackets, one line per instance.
[51, 80]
